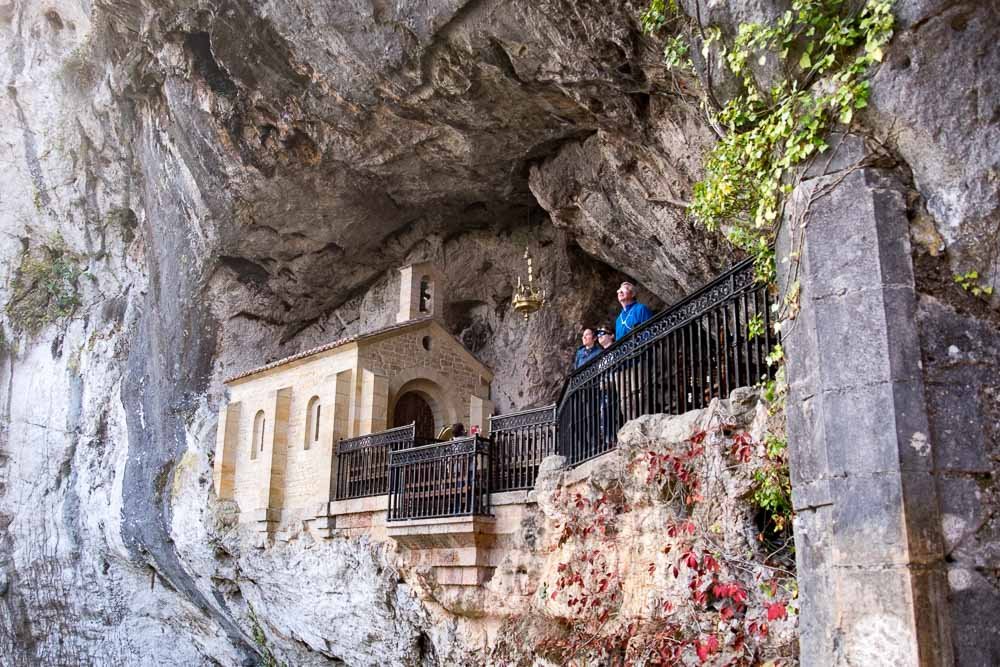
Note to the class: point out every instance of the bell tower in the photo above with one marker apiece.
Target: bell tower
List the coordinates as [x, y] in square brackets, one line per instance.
[421, 292]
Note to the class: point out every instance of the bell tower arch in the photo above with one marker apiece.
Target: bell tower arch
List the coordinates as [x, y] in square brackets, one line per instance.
[420, 292]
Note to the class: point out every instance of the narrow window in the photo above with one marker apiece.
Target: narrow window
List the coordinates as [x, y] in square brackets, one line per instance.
[313, 411]
[257, 444]
[316, 433]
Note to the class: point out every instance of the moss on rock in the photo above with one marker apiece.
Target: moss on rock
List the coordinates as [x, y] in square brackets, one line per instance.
[45, 287]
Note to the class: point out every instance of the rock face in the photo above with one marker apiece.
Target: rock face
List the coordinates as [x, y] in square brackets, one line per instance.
[227, 183]
[196, 187]
[620, 552]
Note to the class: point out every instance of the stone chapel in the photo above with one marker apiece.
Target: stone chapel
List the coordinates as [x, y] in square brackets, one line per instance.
[278, 434]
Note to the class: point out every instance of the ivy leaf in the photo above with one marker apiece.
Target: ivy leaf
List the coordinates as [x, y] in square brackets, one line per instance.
[710, 646]
[805, 62]
[775, 611]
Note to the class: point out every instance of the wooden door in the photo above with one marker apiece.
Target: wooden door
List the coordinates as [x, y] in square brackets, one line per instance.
[413, 408]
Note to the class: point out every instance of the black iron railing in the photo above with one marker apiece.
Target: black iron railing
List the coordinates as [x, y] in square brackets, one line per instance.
[440, 480]
[520, 441]
[682, 358]
[679, 360]
[363, 462]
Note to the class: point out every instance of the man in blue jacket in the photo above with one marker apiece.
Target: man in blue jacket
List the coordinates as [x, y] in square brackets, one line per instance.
[633, 313]
[630, 390]
[588, 350]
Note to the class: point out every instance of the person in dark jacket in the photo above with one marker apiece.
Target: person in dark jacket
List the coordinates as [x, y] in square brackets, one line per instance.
[588, 350]
[608, 418]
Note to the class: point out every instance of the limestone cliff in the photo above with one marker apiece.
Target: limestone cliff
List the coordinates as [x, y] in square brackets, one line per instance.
[197, 187]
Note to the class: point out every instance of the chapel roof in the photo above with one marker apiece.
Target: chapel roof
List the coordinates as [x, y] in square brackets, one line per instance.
[393, 328]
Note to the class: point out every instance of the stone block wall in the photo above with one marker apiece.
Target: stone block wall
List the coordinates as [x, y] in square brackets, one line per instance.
[893, 425]
[356, 385]
[405, 357]
[296, 479]
[960, 351]
[309, 468]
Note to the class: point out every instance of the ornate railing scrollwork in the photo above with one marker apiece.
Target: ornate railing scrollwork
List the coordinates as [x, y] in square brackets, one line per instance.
[440, 480]
[362, 462]
[520, 441]
[522, 419]
[470, 445]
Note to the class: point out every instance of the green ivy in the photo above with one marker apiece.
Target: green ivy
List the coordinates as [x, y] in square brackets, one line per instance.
[772, 484]
[969, 281]
[826, 50]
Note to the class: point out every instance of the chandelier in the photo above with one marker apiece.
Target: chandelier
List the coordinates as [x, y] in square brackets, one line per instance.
[527, 298]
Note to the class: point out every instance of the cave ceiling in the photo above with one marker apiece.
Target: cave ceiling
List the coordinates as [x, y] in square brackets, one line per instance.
[330, 138]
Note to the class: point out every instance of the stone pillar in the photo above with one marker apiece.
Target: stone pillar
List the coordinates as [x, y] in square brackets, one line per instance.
[322, 475]
[274, 455]
[373, 410]
[227, 442]
[336, 428]
[480, 410]
[867, 529]
[341, 420]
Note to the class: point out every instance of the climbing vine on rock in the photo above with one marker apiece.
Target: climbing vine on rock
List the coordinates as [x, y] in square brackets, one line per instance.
[711, 601]
[796, 79]
[822, 51]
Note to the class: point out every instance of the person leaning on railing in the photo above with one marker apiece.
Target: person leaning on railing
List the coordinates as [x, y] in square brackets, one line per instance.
[632, 316]
[589, 350]
[608, 392]
[633, 313]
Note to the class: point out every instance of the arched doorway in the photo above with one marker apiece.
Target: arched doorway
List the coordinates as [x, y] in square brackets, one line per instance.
[413, 408]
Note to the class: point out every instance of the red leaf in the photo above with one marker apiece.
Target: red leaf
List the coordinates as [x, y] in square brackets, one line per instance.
[710, 564]
[743, 438]
[710, 646]
[702, 651]
[775, 611]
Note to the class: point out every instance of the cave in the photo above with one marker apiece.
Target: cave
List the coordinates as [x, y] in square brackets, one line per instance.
[200, 190]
